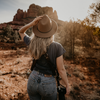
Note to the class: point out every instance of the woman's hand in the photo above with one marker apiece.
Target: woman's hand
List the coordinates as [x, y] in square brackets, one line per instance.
[67, 90]
[36, 20]
[24, 28]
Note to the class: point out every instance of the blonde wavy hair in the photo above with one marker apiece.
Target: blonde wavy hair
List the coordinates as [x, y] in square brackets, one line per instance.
[38, 45]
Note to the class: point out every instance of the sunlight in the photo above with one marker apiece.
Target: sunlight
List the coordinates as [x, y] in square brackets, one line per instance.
[70, 9]
[66, 9]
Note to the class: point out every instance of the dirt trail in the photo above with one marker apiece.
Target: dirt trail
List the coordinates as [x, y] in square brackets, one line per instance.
[14, 72]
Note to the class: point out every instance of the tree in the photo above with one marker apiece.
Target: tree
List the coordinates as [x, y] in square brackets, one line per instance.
[72, 28]
[94, 13]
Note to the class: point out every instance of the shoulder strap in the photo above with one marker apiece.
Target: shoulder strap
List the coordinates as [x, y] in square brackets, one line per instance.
[50, 64]
[33, 64]
[54, 71]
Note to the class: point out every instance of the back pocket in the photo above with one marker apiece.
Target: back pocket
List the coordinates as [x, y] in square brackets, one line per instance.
[49, 88]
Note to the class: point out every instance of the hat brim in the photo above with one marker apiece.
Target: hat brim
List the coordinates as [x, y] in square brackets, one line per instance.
[47, 34]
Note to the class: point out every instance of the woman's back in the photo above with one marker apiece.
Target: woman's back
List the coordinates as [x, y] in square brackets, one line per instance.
[54, 50]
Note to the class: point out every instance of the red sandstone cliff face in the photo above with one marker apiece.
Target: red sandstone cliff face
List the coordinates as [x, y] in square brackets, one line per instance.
[32, 12]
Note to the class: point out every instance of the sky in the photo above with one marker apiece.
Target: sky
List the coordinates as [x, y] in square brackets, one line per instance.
[66, 9]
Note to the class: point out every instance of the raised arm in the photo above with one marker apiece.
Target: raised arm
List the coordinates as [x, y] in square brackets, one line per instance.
[24, 28]
[62, 72]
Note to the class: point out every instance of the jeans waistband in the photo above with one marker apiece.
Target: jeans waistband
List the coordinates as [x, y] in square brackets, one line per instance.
[45, 75]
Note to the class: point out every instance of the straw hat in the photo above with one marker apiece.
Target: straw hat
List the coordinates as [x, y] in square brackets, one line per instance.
[45, 28]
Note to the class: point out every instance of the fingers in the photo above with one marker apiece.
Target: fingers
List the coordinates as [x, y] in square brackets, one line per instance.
[38, 18]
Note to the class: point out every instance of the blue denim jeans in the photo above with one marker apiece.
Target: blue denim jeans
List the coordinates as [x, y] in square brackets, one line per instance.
[40, 87]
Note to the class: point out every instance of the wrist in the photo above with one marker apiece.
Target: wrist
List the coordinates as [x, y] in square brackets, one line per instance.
[31, 24]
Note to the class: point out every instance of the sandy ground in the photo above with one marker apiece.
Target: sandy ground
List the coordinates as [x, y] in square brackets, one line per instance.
[15, 62]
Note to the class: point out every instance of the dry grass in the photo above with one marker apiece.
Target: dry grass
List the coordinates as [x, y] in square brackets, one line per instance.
[79, 74]
[88, 83]
[1, 62]
[76, 86]
[76, 74]
[90, 96]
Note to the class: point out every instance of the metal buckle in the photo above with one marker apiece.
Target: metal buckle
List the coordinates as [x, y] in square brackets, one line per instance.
[47, 75]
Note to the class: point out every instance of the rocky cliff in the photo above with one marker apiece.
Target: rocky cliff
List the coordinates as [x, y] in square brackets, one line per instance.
[23, 17]
[32, 12]
[8, 30]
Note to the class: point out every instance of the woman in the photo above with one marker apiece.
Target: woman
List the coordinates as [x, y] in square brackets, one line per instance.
[41, 82]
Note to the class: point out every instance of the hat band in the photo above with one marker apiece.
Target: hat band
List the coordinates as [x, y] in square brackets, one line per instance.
[44, 32]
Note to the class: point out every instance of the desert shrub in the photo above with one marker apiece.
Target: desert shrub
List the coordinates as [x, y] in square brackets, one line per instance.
[88, 83]
[29, 31]
[96, 32]
[9, 35]
[76, 86]
[76, 74]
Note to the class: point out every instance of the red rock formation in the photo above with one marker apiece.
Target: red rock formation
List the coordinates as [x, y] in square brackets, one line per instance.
[25, 14]
[23, 17]
[20, 19]
[33, 11]
[55, 15]
[16, 23]
[19, 15]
